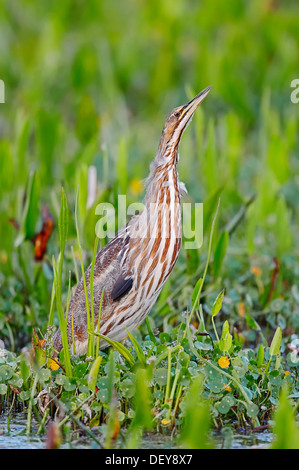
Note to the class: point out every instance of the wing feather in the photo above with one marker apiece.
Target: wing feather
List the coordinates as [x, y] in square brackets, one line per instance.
[122, 286]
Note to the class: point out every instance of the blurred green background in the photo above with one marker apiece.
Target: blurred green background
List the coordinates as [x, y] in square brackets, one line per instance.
[90, 83]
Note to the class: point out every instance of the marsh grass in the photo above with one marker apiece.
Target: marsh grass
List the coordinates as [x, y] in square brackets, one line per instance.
[57, 269]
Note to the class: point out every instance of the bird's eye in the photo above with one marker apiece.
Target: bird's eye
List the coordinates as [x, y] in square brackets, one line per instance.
[177, 113]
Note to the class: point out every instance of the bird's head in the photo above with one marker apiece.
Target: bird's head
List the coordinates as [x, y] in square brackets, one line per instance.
[177, 121]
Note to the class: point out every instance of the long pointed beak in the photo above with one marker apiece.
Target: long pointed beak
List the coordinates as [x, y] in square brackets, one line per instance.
[192, 105]
[179, 119]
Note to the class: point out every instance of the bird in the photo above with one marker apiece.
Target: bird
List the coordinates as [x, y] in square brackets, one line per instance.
[133, 267]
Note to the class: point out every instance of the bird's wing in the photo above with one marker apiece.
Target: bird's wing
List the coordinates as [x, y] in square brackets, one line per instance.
[110, 270]
[111, 275]
[121, 287]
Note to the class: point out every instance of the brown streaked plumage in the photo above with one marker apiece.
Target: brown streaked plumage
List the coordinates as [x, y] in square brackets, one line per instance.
[134, 265]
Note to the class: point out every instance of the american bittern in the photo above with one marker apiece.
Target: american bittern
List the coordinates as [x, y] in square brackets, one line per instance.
[133, 267]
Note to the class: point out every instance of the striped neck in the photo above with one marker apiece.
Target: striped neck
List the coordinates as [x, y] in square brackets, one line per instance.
[163, 174]
[162, 201]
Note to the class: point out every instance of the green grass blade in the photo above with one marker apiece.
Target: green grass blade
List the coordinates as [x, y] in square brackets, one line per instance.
[91, 292]
[139, 352]
[90, 352]
[118, 346]
[93, 374]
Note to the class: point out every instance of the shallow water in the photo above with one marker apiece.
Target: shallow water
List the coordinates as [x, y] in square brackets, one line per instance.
[13, 436]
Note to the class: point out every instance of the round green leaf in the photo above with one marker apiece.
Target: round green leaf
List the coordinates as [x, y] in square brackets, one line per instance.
[252, 410]
[215, 386]
[160, 376]
[3, 389]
